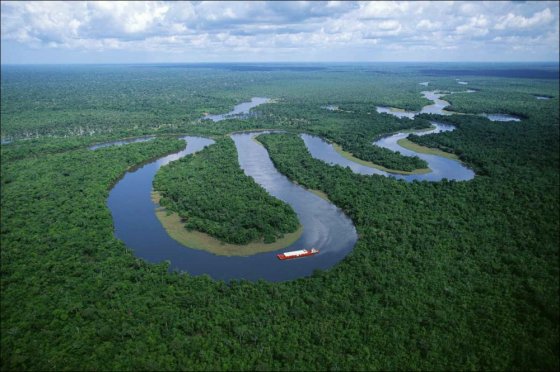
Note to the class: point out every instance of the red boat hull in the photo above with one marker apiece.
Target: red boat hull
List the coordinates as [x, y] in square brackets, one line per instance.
[282, 256]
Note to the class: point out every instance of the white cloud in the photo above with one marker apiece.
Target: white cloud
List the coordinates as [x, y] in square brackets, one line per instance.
[476, 26]
[389, 25]
[469, 9]
[512, 21]
[382, 9]
[210, 27]
[120, 19]
[427, 25]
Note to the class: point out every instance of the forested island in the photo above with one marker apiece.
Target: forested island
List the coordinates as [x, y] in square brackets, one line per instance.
[444, 275]
[211, 194]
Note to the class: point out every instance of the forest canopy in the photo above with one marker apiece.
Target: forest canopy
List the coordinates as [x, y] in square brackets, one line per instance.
[211, 194]
[444, 276]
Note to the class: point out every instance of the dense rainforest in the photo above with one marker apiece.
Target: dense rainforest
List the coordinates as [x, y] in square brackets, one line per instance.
[243, 213]
[445, 275]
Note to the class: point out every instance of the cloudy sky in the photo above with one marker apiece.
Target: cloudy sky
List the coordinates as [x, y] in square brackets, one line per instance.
[200, 31]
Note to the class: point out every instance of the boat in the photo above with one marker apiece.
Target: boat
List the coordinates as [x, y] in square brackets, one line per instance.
[297, 254]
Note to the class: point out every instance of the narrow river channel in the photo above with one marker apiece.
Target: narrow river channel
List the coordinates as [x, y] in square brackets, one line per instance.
[440, 167]
[438, 107]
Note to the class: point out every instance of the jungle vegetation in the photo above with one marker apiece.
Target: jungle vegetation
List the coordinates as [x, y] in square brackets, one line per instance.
[243, 213]
[444, 276]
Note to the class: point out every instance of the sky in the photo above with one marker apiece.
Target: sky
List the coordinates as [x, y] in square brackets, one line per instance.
[277, 31]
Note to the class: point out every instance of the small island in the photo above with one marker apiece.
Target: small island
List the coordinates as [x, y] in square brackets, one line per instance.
[244, 220]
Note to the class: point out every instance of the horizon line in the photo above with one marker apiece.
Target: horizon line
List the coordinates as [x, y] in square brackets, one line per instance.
[260, 62]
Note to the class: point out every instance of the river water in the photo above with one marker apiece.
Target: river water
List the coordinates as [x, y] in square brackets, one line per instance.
[120, 142]
[435, 108]
[440, 167]
[501, 117]
[239, 110]
[324, 226]
[438, 108]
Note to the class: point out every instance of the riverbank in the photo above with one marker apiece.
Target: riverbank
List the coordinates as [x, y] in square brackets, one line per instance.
[320, 194]
[172, 223]
[351, 157]
[409, 145]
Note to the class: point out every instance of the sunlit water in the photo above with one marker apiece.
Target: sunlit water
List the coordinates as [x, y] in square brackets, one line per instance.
[330, 107]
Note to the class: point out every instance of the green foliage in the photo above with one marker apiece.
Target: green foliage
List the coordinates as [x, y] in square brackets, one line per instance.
[141, 100]
[478, 138]
[444, 276]
[85, 100]
[465, 256]
[243, 213]
[516, 97]
[355, 127]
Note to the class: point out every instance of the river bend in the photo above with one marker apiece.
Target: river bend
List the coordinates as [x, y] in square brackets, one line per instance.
[325, 226]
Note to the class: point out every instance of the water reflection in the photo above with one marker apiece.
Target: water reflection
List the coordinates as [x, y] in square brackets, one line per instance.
[438, 106]
[400, 113]
[325, 226]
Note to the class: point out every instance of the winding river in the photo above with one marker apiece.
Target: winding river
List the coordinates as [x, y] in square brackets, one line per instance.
[325, 226]
[440, 167]
[438, 107]
[501, 117]
[435, 108]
